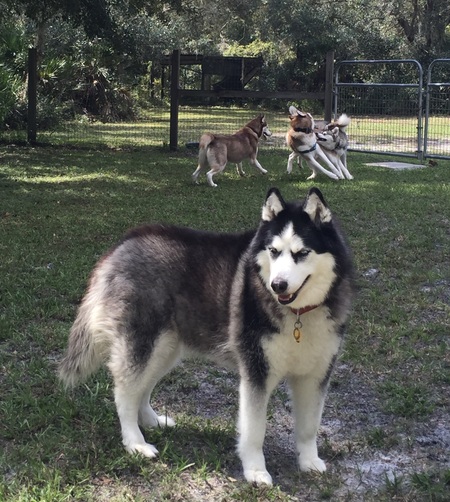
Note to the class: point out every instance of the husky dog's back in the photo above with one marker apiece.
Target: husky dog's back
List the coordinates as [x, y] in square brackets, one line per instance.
[271, 302]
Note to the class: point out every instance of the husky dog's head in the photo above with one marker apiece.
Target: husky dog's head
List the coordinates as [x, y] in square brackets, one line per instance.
[299, 248]
[301, 121]
[259, 126]
[328, 138]
[266, 132]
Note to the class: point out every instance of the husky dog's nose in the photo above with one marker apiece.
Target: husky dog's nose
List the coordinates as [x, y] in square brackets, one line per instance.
[279, 286]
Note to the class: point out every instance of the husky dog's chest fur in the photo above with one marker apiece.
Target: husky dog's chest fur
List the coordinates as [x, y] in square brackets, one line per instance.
[318, 345]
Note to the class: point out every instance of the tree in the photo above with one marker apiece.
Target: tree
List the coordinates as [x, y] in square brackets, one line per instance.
[423, 23]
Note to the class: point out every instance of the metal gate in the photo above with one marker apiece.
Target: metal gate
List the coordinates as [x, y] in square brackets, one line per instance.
[437, 110]
[388, 114]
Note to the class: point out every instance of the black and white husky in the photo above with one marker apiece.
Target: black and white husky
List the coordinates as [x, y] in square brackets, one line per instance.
[271, 302]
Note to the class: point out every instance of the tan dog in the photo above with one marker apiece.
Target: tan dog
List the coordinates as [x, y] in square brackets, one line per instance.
[216, 150]
[302, 140]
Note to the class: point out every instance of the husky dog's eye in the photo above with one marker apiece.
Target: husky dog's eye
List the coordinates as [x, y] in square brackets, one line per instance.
[303, 253]
[274, 252]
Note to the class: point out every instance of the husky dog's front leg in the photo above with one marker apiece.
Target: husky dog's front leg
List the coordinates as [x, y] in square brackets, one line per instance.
[308, 398]
[252, 429]
[254, 162]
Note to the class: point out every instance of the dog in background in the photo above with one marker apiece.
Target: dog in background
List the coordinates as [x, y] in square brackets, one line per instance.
[302, 140]
[215, 150]
[333, 140]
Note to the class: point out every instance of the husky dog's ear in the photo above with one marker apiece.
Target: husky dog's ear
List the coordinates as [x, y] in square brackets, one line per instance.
[293, 111]
[316, 207]
[274, 204]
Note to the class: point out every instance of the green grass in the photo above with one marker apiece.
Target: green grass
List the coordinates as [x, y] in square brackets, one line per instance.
[60, 209]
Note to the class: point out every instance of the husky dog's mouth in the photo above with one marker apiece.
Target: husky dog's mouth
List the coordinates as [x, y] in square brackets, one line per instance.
[287, 299]
[266, 133]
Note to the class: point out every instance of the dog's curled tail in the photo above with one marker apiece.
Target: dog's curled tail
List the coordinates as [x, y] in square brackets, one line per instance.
[85, 352]
[343, 121]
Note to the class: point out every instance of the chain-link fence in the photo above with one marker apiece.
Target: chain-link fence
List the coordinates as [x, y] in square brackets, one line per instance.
[404, 118]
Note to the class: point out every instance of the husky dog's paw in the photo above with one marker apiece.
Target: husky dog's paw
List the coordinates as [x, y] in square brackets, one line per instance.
[264, 171]
[145, 449]
[258, 477]
[312, 465]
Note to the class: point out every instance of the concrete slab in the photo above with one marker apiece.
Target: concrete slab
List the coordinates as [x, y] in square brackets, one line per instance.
[396, 165]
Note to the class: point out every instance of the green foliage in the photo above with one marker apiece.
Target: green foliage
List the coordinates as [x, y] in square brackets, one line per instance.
[9, 90]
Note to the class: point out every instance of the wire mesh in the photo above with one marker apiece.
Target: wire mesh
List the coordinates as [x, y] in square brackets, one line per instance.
[151, 129]
[194, 121]
[384, 118]
[437, 120]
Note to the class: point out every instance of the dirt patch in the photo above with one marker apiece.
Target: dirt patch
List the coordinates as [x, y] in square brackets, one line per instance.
[367, 450]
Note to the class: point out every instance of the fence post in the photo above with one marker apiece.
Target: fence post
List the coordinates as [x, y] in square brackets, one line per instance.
[32, 95]
[329, 71]
[174, 98]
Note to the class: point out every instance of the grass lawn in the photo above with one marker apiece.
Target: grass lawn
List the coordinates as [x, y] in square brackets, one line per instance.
[385, 433]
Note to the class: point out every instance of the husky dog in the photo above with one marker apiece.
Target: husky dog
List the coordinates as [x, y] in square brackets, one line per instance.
[302, 140]
[273, 303]
[334, 142]
[215, 150]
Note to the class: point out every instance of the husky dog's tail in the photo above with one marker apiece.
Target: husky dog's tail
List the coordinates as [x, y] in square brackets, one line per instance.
[343, 121]
[205, 141]
[87, 345]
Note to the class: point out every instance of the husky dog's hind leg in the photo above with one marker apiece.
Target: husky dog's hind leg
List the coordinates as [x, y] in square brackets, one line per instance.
[133, 388]
[208, 158]
[240, 171]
